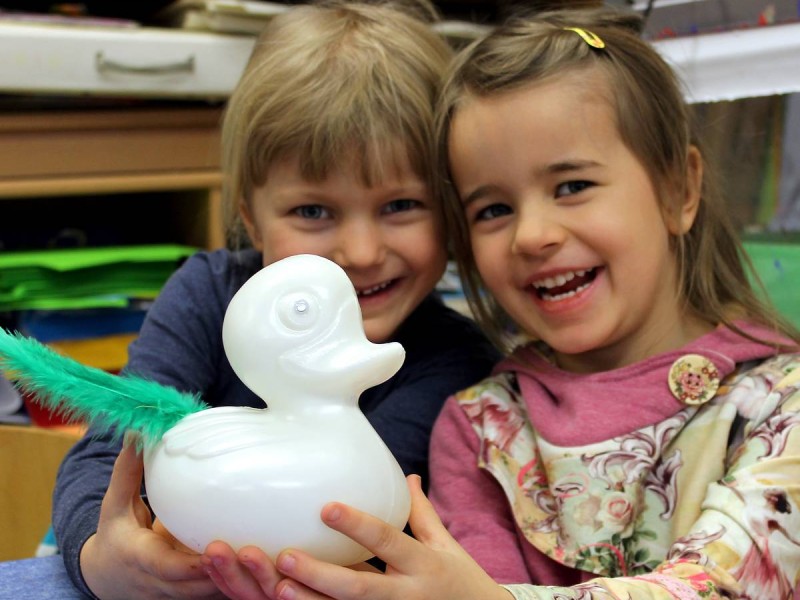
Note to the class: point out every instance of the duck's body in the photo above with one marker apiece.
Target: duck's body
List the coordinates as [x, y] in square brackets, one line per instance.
[294, 335]
[264, 478]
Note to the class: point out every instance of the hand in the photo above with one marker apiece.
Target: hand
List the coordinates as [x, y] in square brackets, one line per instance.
[126, 558]
[246, 575]
[432, 566]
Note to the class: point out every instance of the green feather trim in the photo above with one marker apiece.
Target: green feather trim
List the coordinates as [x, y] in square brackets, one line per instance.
[108, 402]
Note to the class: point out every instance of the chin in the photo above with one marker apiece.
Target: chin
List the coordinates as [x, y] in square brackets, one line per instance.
[379, 333]
[573, 345]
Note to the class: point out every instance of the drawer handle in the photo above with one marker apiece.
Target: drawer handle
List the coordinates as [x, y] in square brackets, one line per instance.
[104, 65]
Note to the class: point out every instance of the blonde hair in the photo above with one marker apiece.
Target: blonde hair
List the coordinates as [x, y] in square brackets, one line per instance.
[654, 122]
[332, 79]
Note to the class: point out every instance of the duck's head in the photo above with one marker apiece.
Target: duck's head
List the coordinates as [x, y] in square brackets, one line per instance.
[294, 329]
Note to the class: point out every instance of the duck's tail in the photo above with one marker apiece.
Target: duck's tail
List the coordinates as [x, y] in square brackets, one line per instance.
[108, 402]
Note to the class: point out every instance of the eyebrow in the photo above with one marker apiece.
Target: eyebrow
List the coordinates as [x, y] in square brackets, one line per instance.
[565, 166]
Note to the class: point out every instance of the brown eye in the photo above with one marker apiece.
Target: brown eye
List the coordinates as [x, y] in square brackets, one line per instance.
[569, 188]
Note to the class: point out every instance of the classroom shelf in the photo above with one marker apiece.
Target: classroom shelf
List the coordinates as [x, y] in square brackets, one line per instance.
[746, 63]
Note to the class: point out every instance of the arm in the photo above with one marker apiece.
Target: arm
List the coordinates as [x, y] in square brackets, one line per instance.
[167, 350]
[470, 502]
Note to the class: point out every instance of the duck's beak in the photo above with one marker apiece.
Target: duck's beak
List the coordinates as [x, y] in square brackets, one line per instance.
[345, 356]
[354, 365]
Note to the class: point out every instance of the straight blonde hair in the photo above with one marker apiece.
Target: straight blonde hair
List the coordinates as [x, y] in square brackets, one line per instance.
[329, 79]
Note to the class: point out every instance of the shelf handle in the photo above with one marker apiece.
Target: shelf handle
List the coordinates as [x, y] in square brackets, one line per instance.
[105, 65]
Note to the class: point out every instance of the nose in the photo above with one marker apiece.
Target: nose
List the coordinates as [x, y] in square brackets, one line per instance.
[538, 232]
[360, 244]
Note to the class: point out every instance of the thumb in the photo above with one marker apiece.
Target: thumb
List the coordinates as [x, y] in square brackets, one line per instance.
[424, 522]
[124, 489]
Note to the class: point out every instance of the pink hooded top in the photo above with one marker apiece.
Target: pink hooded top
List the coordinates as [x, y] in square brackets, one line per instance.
[680, 472]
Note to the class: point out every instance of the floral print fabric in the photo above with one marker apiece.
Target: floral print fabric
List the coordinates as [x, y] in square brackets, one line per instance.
[704, 504]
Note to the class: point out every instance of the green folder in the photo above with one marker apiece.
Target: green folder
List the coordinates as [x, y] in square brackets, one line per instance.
[86, 277]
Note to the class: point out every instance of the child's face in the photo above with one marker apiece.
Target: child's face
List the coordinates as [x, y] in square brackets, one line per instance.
[565, 224]
[388, 238]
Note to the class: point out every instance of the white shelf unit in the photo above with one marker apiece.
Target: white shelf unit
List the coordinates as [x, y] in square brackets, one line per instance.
[175, 63]
[746, 63]
[134, 62]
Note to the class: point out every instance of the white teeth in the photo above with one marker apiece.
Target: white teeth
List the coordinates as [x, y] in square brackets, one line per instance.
[374, 289]
[554, 298]
[558, 280]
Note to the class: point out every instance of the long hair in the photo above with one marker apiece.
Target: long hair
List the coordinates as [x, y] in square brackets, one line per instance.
[654, 122]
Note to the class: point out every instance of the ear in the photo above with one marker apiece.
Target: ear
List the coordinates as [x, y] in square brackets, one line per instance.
[682, 222]
[246, 213]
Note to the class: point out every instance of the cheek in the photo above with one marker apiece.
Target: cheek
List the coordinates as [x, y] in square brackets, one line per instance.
[279, 242]
[484, 252]
[425, 245]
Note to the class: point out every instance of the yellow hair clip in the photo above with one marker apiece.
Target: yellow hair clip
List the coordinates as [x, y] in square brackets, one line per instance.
[588, 37]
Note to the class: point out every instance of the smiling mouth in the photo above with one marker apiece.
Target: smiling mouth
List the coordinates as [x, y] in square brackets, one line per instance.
[375, 289]
[564, 285]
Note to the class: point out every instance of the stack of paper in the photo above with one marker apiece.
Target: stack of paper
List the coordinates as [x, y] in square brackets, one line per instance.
[86, 303]
[224, 16]
[85, 277]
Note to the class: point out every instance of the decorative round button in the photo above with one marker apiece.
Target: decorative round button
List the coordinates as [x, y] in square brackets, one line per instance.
[693, 379]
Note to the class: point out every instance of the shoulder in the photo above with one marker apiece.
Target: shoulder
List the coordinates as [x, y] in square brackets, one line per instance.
[491, 405]
[774, 371]
[209, 277]
[500, 390]
[197, 294]
[762, 389]
[219, 266]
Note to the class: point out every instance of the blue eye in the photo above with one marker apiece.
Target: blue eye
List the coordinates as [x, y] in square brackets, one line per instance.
[568, 188]
[311, 211]
[493, 211]
[401, 205]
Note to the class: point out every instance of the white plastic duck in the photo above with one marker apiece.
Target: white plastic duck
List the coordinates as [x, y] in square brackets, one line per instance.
[294, 335]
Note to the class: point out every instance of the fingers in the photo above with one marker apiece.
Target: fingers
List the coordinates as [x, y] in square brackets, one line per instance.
[261, 568]
[385, 541]
[247, 575]
[311, 579]
[391, 545]
[136, 563]
[293, 590]
[162, 560]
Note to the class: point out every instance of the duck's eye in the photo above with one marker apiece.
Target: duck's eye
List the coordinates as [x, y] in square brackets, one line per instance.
[298, 311]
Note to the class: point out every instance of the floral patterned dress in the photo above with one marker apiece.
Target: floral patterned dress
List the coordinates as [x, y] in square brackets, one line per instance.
[691, 490]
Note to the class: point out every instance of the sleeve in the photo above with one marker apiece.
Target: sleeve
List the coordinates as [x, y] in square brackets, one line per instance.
[174, 347]
[180, 341]
[469, 501]
[80, 486]
[746, 542]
